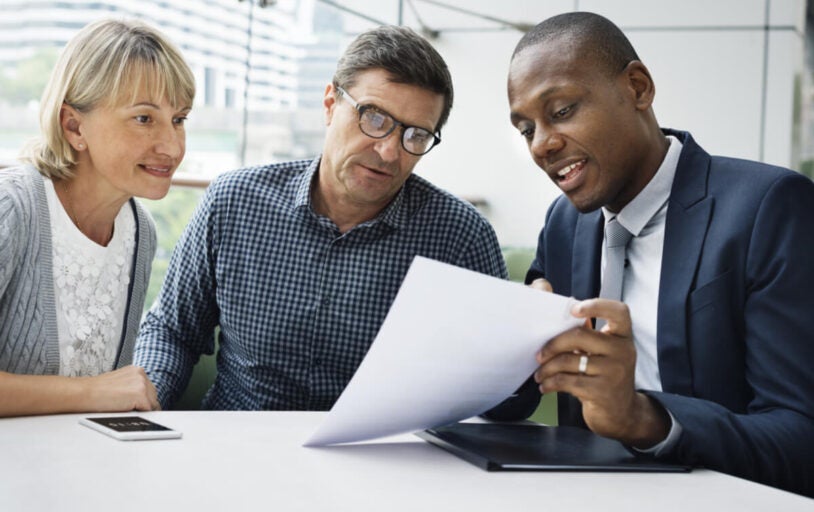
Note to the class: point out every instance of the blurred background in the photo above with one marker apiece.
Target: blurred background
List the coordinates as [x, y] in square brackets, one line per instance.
[736, 73]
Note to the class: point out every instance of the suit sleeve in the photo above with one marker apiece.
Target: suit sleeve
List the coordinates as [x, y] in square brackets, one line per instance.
[773, 440]
[537, 268]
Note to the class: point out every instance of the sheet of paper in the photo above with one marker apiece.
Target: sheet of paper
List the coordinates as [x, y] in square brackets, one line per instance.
[454, 344]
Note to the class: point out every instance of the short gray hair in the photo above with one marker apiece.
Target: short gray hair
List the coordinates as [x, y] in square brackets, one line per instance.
[406, 56]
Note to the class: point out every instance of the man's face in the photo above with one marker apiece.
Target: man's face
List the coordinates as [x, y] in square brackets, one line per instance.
[584, 126]
[361, 172]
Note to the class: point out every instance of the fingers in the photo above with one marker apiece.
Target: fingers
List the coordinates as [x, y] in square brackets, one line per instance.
[124, 389]
[575, 358]
[585, 339]
[567, 373]
[603, 380]
[148, 396]
[571, 363]
[614, 312]
[147, 404]
[568, 383]
[598, 368]
[579, 340]
[542, 285]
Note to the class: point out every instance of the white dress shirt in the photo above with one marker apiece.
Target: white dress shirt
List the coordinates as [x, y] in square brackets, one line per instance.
[645, 218]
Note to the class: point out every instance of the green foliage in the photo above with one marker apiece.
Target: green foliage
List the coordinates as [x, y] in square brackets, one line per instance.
[171, 215]
[807, 168]
[546, 412]
[518, 260]
[29, 79]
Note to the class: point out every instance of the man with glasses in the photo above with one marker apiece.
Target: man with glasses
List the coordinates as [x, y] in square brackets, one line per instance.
[297, 263]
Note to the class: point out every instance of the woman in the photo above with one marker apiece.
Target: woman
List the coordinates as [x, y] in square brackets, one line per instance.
[75, 247]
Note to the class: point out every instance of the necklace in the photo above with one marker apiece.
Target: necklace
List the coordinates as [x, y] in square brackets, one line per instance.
[67, 205]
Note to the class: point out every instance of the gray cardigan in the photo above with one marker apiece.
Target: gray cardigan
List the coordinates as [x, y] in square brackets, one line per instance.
[29, 343]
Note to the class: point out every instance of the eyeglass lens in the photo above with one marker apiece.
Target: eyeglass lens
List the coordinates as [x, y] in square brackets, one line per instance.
[378, 125]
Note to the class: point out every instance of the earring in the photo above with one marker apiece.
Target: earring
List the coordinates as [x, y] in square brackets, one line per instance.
[80, 146]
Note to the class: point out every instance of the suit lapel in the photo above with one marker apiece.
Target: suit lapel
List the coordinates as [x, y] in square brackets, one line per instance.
[688, 217]
[586, 256]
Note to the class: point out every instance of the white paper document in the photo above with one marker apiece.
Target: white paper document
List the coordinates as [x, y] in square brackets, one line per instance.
[454, 344]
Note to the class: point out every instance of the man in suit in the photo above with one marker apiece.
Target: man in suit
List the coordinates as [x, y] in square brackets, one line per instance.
[707, 355]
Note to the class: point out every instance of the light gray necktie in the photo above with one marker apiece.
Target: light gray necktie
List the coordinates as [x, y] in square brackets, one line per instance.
[616, 240]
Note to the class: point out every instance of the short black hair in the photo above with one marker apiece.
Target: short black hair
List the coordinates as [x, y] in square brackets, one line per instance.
[592, 34]
[406, 56]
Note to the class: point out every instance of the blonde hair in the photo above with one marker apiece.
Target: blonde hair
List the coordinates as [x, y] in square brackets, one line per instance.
[105, 64]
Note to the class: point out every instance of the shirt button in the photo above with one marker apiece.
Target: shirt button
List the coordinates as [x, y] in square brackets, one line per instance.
[318, 362]
[326, 301]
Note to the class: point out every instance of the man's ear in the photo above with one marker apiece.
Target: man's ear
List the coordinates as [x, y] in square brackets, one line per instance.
[329, 101]
[71, 121]
[641, 84]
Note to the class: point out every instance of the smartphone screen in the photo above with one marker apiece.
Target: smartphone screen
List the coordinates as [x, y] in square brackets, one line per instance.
[130, 428]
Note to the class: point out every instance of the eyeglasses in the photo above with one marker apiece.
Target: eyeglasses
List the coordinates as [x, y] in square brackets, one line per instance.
[378, 125]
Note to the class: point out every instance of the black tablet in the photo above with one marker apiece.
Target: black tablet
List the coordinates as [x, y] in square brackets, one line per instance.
[524, 447]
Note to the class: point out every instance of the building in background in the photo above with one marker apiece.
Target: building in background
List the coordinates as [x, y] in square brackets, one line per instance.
[730, 71]
[228, 44]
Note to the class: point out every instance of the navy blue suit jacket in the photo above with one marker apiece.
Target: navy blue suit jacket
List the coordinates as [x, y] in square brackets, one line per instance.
[735, 312]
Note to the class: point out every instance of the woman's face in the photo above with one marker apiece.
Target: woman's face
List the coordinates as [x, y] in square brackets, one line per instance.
[131, 148]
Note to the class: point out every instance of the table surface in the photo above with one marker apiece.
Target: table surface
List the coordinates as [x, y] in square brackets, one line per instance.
[255, 460]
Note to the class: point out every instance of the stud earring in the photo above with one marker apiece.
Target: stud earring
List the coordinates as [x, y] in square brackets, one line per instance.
[80, 146]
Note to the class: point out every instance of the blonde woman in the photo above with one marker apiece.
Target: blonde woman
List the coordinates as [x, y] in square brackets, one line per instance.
[75, 247]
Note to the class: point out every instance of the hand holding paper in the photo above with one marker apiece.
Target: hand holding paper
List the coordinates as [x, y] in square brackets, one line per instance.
[454, 344]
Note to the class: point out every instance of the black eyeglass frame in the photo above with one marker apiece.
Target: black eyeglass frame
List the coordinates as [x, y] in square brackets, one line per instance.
[436, 137]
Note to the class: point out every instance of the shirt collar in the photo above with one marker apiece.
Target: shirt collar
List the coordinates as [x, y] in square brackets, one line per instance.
[394, 214]
[638, 212]
[303, 195]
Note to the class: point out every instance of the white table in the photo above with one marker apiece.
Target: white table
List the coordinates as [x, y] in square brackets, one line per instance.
[254, 461]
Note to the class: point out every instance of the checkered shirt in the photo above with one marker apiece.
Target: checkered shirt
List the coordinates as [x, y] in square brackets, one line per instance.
[298, 303]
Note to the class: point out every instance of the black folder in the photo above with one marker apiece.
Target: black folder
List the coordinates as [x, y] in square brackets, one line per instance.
[524, 447]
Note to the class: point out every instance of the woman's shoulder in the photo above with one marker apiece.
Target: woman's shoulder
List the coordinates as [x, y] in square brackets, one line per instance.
[20, 182]
[21, 190]
[21, 199]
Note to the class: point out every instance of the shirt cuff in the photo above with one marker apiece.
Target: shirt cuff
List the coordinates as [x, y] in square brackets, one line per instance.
[668, 443]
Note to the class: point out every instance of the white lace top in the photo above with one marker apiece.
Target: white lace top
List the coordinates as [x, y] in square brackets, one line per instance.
[90, 288]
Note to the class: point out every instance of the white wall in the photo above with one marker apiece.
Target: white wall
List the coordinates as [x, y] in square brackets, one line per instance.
[706, 57]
